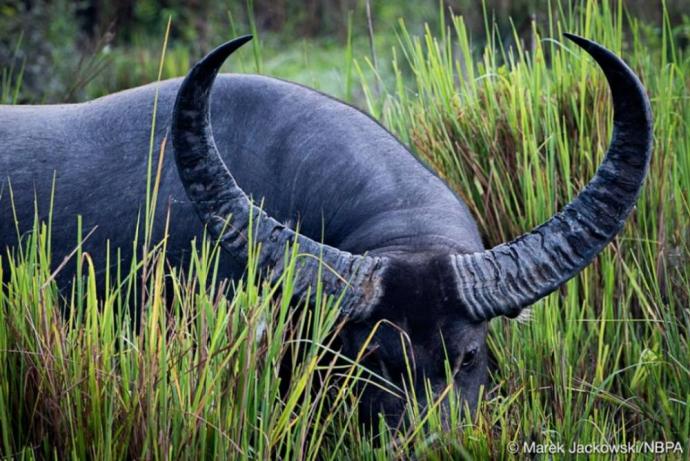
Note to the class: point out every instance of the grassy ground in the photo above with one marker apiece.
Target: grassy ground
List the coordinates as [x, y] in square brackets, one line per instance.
[605, 360]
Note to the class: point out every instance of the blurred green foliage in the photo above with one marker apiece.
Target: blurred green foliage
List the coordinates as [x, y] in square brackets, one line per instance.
[64, 46]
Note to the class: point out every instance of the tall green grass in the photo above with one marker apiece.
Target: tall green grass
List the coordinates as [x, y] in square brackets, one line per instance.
[516, 134]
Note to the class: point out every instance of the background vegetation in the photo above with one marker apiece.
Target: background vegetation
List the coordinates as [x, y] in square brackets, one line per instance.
[512, 117]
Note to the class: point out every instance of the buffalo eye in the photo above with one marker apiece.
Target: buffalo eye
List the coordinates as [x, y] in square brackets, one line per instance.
[372, 350]
[469, 357]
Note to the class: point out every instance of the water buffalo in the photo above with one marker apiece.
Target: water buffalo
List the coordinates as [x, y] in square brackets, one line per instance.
[397, 243]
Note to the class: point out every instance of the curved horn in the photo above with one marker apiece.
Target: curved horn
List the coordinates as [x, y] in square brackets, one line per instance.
[216, 196]
[511, 276]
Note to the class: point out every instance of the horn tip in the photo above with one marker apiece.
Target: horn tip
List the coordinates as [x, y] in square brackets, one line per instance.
[227, 48]
[241, 40]
[580, 41]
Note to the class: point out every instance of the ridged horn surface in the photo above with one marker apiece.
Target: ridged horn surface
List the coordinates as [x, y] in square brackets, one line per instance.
[227, 211]
[511, 276]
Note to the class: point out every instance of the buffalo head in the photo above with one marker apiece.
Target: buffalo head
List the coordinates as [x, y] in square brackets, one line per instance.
[426, 305]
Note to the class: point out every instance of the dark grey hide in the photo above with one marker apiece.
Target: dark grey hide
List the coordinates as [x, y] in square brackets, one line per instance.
[307, 156]
[404, 247]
